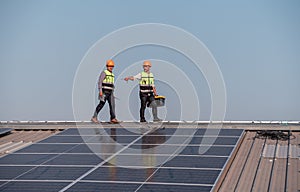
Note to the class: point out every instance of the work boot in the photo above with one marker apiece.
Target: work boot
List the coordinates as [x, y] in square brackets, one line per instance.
[114, 121]
[95, 120]
[157, 120]
[143, 121]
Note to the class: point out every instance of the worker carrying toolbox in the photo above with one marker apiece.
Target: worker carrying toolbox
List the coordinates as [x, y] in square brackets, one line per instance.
[148, 94]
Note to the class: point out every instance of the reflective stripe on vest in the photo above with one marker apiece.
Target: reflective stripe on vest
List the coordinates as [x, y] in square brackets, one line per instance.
[108, 82]
[146, 82]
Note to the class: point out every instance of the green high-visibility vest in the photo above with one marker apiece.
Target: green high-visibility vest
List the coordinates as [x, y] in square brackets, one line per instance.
[108, 82]
[146, 82]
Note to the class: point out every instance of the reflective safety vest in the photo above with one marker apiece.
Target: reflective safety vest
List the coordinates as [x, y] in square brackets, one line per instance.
[146, 82]
[108, 82]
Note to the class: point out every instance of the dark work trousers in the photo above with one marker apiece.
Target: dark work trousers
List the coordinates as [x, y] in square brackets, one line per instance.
[145, 99]
[109, 96]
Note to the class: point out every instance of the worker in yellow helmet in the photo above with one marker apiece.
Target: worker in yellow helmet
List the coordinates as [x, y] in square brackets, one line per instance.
[147, 90]
[106, 92]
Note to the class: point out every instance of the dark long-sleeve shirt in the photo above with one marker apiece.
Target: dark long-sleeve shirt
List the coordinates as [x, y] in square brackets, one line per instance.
[100, 81]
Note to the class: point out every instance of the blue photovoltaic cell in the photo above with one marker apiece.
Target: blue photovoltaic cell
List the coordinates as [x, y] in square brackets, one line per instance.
[153, 140]
[87, 131]
[139, 131]
[196, 162]
[109, 139]
[46, 148]
[109, 187]
[213, 150]
[107, 148]
[171, 131]
[102, 187]
[166, 131]
[75, 159]
[186, 176]
[66, 139]
[70, 131]
[219, 132]
[226, 141]
[173, 188]
[33, 186]
[150, 149]
[123, 131]
[217, 140]
[82, 148]
[110, 173]
[137, 146]
[10, 172]
[231, 132]
[97, 131]
[25, 159]
[54, 173]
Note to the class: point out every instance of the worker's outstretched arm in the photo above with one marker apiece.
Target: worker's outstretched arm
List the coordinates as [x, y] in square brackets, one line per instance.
[132, 78]
[129, 78]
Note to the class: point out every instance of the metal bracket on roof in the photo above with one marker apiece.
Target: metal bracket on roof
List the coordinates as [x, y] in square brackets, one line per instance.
[269, 151]
[281, 151]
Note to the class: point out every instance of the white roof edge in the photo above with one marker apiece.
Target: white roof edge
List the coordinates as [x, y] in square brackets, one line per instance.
[130, 121]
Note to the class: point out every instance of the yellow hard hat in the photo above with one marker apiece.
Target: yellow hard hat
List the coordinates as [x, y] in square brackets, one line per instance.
[110, 63]
[147, 63]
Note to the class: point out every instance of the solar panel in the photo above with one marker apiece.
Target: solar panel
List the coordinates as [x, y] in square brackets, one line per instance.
[4, 131]
[131, 159]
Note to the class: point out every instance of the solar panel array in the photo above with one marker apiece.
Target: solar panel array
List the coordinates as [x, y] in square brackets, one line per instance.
[86, 160]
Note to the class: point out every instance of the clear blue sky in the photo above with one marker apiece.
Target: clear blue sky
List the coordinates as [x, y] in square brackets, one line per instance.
[255, 43]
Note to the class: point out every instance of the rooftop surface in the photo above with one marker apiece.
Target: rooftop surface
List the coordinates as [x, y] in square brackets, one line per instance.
[252, 161]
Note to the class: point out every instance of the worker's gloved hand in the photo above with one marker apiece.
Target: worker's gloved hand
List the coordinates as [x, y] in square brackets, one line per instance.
[100, 94]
